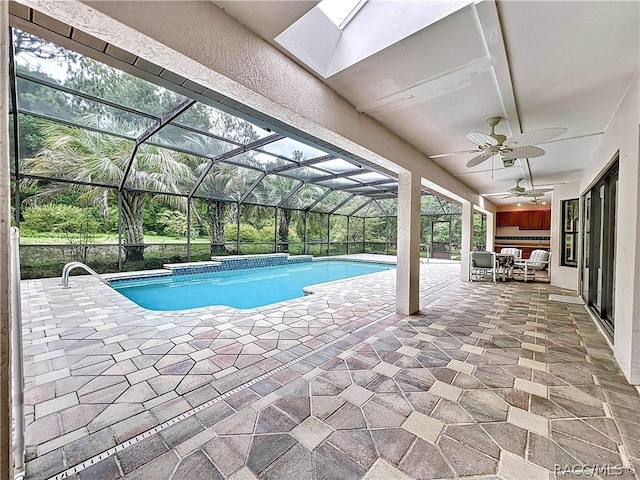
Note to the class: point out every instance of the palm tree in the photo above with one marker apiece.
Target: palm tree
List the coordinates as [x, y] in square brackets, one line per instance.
[277, 187]
[89, 157]
[223, 184]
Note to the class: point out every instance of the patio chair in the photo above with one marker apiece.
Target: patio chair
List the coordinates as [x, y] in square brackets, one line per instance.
[516, 252]
[538, 261]
[482, 264]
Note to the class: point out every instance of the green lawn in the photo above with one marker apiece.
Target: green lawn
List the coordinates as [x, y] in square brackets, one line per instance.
[102, 239]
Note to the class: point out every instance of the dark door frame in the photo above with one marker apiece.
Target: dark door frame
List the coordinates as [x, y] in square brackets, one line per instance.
[602, 223]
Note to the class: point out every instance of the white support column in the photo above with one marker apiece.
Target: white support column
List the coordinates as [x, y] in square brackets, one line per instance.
[408, 271]
[467, 239]
[491, 231]
[6, 459]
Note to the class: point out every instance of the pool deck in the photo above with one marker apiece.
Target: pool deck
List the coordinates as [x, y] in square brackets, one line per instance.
[488, 381]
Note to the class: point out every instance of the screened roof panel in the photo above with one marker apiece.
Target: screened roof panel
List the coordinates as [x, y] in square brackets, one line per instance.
[161, 170]
[331, 201]
[261, 161]
[172, 136]
[304, 173]
[369, 177]
[338, 183]
[76, 90]
[292, 149]
[336, 165]
[274, 189]
[70, 69]
[389, 206]
[82, 112]
[433, 205]
[364, 189]
[227, 182]
[305, 197]
[211, 120]
[373, 210]
[353, 204]
[80, 155]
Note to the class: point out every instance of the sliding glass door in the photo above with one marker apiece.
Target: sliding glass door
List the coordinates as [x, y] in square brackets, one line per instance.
[598, 247]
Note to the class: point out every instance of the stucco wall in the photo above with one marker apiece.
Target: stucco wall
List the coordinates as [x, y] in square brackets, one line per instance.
[564, 277]
[622, 134]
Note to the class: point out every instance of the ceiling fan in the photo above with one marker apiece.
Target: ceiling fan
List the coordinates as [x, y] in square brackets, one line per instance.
[519, 191]
[518, 146]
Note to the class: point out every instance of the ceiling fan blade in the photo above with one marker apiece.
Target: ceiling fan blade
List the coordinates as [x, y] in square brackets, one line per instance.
[482, 139]
[450, 154]
[478, 159]
[535, 137]
[522, 152]
[537, 192]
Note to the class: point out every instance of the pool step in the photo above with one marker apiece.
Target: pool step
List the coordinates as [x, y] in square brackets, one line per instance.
[190, 265]
[136, 275]
[300, 258]
[239, 258]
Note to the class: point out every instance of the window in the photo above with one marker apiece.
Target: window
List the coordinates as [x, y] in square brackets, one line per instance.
[570, 213]
[341, 12]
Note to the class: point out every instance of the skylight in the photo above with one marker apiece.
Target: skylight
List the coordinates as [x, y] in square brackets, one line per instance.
[341, 12]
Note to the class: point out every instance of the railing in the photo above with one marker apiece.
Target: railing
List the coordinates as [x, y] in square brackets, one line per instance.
[71, 265]
[17, 375]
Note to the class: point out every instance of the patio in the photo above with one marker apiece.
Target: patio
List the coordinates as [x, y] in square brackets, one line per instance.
[488, 380]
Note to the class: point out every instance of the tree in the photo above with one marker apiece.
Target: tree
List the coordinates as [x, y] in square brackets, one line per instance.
[89, 157]
[224, 182]
[277, 188]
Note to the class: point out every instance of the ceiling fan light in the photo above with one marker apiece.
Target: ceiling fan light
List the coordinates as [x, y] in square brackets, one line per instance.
[508, 162]
[519, 204]
[544, 203]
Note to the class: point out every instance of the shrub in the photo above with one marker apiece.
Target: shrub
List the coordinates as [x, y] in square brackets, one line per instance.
[174, 223]
[248, 233]
[55, 218]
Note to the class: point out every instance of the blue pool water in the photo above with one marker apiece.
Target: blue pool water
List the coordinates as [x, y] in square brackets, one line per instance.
[247, 288]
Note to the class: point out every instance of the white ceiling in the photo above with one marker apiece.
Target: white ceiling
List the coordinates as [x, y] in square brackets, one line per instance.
[535, 64]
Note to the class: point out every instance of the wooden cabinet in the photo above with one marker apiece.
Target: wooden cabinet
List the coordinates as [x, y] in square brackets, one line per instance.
[525, 219]
[531, 220]
[507, 219]
[546, 219]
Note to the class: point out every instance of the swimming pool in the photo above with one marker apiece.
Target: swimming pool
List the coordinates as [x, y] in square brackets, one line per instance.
[247, 288]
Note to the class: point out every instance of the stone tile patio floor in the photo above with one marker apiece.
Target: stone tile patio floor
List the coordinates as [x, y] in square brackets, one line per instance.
[487, 381]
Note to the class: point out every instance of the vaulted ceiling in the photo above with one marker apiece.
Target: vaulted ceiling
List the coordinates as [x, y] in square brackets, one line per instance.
[432, 80]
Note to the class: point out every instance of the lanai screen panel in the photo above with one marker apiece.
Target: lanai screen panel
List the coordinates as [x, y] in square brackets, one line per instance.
[162, 170]
[227, 182]
[304, 173]
[331, 201]
[206, 119]
[292, 149]
[172, 136]
[353, 206]
[59, 66]
[79, 155]
[336, 165]
[47, 102]
[76, 91]
[274, 190]
[261, 161]
[305, 197]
